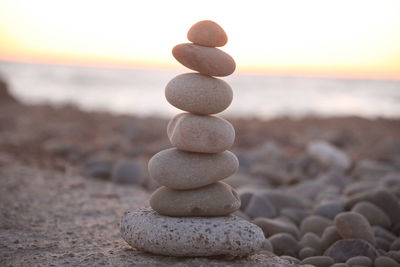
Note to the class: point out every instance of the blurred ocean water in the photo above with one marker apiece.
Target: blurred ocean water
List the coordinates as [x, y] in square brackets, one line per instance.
[141, 92]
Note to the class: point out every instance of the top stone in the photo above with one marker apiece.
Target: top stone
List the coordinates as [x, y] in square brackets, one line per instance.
[207, 33]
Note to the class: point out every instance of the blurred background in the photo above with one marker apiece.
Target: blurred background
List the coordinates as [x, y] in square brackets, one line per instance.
[294, 58]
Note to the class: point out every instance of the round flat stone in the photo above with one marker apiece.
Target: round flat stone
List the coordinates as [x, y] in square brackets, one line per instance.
[217, 199]
[146, 230]
[207, 33]
[204, 134]
[206, 60]
[344, 249]
[353, 225]
[179, 169]
[199, 94]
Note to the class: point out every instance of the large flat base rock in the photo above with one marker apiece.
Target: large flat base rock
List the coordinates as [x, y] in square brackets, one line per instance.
[146, 230]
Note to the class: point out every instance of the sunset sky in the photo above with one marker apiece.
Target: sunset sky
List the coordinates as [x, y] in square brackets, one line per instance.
[345, 38]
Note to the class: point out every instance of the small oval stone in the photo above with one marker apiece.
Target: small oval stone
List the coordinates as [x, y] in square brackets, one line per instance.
[359, 261]
[329, 209]
[204, 134]
[344, 249]
[311, 240]
[274, 226]
[207, 33]
[179, 169]
[198, 93]
[206, 60]
[284, 244]
[306, 252]
[320, 261]
[329, 236]
[372, 213]
[384, 261]
[217, 199]
[354, 225]
[259, 206]
[315, 224]
[146, 230]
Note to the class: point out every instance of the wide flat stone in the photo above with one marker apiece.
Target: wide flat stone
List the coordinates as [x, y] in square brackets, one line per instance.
[146, 230]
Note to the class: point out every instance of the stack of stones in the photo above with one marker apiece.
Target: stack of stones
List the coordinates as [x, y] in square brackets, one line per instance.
[193, 208]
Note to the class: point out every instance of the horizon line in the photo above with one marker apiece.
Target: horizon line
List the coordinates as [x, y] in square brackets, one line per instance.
[169, 67]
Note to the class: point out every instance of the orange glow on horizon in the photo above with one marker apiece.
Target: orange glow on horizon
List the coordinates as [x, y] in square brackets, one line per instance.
[358, 39]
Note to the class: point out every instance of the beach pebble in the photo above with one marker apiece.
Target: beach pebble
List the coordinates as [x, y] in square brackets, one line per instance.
[341, 264]
[146, 230]
[315, 224]
[207, 33]
[358, 187]
[306, 252]
[383, 233]
[259, 206]
[294, 214]
[204, 134]
[388, 203]
[353, 225]
[290, 259]
[245, 194]
[310, 240]
[394, 254]
[128, 172]
[359, 261]
[329, 155]
[329, 209]
[329, 236]
[320, 261]
[372, 170]
[344, 249]
[381, 243]
[284, 244]
[98, 167]
[275, 226]
[384, 261]
[390, 180]
[196, 202]
[242, 215]
[266, 245]
[372, 213]
[206, 60]
[198, 94]
[395, 245]
[179, 169]
[282, 200]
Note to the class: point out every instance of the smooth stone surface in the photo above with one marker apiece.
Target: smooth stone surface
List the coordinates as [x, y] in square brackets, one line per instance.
[372, 213]
[179, 169]
[284, 244]
[275, 226]
[383, 233]
[329, 236]
[306, 252]
[344, 249]
[315, 224]
[128, 172]
[282, 200]
[383, 261]
[329, 155]
[199, 94]
[260, 206]
[360, 261]
[217, 199]
[204, 134]
[311, 240]
[394, 254]
[329, 209]
[266, 245]
[353, 225]
[146, 230]
[381, 243]
[320, 261]
[206, 60]
[395, 245]
[294, 214]
[207, 33]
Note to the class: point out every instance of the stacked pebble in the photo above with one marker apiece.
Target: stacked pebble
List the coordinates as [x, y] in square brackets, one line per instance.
[191, 212]
[191, 172]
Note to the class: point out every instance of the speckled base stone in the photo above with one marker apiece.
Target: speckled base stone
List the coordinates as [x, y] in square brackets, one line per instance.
[190, 236]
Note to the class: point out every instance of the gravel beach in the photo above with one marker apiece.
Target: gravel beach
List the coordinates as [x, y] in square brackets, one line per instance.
[67, 176]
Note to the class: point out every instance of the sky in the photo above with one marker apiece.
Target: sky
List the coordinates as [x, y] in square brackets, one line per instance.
[341, 38]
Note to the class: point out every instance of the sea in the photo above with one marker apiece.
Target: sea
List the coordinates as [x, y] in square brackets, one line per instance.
[141, 92]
